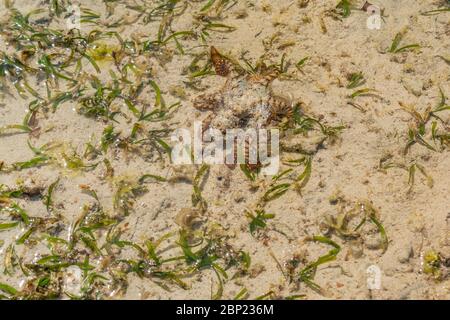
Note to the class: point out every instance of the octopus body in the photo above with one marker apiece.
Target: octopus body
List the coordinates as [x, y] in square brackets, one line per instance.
[243, 102]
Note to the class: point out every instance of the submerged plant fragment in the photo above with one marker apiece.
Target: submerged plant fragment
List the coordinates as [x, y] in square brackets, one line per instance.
[126, 193]
[396, 48]
[417, 133]
[349, 224]
[433, 264]
[308, 273]
[258, 220]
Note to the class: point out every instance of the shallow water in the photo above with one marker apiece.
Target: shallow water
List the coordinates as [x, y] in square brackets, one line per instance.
[87, 181]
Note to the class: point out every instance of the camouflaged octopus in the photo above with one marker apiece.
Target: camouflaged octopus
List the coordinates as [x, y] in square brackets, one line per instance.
[245, 101]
